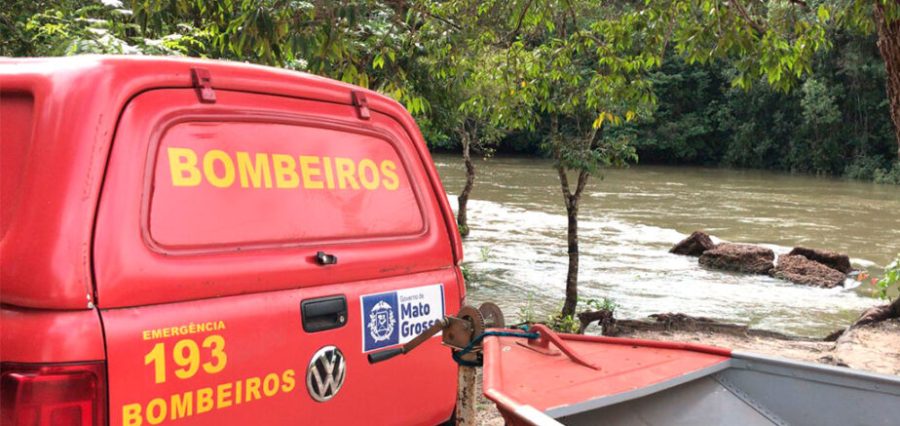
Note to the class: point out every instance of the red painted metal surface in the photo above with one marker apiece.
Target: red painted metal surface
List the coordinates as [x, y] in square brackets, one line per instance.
[519, 378]
[40, 336]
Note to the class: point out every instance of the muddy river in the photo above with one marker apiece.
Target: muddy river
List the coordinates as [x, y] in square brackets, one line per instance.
[629, 220]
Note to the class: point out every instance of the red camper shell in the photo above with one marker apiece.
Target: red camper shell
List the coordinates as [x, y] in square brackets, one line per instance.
[202, 242]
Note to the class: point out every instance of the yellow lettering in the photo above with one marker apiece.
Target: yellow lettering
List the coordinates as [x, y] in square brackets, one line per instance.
[368, 182]
[189, 363]
[257, 172]
[270, 384]
[156, 411]
[285, 173]
[146, 334]
[156, 334]
[216, 344]
[329, 175]
[157, 357]
[131, 415]
[183, 161]
[309, 169]
[252, 389]
[388, 169]
[223, 396]
[346, 172]
[182, 405]
[204, 400]
[209, 168]
[288, 380]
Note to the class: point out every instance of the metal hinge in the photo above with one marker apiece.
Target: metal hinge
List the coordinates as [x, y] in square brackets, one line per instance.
[203, 83]
[361, 104]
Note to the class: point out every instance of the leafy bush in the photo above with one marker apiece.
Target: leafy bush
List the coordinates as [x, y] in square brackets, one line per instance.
[891, 176]
[604, 304]
[564, 323]
[527, 312]
[863, 168]
[891, 278]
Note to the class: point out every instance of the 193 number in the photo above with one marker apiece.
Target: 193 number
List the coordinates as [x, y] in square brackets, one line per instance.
[186, 355]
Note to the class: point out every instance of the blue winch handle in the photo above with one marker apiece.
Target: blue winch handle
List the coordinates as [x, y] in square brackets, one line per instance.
[457, 355]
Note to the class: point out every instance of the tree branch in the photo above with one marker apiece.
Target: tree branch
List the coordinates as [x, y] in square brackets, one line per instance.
[743, 12]
[418, 8]
[515, 31]
[583, 176]
[800, 3]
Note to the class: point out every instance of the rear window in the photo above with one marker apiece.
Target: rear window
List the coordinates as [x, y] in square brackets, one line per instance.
[16, 111]
[234, 184]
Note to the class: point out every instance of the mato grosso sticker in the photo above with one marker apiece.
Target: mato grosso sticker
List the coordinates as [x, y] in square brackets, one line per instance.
[396, 317]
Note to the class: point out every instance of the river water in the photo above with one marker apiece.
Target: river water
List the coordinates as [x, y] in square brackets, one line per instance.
[630, 219]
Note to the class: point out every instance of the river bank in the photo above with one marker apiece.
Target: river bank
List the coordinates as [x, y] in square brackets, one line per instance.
[873, 347]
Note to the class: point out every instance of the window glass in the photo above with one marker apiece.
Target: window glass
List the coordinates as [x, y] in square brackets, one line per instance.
[234, 184]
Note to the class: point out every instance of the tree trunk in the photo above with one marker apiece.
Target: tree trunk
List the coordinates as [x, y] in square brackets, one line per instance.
[889, 46]
[461, 214]
[572, 239]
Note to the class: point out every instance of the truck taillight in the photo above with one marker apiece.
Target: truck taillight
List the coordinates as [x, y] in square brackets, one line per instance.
[53, 394]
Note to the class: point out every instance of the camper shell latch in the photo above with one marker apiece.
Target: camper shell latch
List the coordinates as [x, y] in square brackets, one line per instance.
[202, 80]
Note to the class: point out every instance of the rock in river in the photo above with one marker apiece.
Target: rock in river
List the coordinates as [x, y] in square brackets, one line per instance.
[800, 270]
[833, 260]
[693, 245]
[739, 257]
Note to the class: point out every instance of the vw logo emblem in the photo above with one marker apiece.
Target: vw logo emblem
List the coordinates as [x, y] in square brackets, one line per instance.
[325, 374]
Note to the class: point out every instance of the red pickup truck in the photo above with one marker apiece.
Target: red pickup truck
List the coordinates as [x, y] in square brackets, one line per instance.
[201, 242]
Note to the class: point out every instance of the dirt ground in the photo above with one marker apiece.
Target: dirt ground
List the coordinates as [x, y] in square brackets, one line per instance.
[873, 348]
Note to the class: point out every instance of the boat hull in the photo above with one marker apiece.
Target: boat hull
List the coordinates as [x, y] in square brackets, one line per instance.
[660, 383]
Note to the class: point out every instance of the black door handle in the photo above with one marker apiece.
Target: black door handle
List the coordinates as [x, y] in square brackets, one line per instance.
[324, 313]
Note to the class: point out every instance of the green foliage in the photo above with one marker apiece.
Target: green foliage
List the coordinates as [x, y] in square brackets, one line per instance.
[891, 278]
[604, 304]
[485, 254]
[463, 229]
[766, 41]
[888, 176]
[837, 123]
[684, 127]
[364, 42]
[527, 312]
[863, 168]
[469, 276]
[564, 323]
